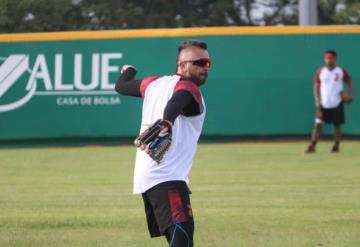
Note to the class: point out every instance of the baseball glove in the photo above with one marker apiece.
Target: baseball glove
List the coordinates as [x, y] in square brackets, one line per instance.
[345, 97]
[156, 140]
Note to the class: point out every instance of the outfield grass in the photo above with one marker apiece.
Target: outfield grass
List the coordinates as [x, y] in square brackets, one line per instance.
[249, 194]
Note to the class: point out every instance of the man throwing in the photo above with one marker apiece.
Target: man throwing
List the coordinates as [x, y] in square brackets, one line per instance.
[329, 99]
[176, 106]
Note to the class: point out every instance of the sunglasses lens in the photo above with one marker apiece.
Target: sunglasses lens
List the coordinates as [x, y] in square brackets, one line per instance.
[202, 62]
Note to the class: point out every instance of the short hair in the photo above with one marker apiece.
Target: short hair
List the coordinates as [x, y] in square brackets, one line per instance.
[332, 52]
[190, 43]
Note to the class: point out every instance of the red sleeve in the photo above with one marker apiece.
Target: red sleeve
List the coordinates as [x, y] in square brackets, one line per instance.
[346, 77]
[190, 87]
[145, 83]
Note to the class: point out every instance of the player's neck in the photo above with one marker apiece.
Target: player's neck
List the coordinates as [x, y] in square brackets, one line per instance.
[180, 74]
[330, 67]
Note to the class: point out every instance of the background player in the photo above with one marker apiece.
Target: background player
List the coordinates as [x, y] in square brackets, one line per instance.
[329, 98]
[177, 100]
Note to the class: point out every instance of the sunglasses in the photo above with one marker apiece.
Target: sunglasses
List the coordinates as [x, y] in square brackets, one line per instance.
[202, 62]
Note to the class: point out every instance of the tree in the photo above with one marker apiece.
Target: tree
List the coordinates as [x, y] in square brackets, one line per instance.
[64, 15]
[283, 12]
[349, 14]
[339, 12]
[161, 13]
[39, 16]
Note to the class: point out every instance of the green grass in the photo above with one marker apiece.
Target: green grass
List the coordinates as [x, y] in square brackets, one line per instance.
[248, 194]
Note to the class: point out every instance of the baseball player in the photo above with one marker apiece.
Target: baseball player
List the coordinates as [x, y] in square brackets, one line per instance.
[329, 99]
[172, 118]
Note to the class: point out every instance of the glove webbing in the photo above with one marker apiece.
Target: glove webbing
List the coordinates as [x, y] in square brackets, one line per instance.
[149, 134]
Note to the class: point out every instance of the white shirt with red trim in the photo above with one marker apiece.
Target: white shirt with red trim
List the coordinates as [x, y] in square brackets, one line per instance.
[177, 161]
[331, 85]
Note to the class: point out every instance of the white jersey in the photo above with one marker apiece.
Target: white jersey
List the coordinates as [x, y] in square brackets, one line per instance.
[177, 162]
[331, 85]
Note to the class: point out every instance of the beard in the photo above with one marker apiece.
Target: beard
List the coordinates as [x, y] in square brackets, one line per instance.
[199, 79]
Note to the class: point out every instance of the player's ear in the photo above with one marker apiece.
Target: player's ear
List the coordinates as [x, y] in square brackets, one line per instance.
[186, 67]
[182, 67]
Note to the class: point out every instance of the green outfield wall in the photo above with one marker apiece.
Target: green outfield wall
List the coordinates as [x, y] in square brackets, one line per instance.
[61, 84]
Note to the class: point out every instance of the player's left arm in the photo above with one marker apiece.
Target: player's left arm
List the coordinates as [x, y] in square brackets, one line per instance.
[156, 140]
[176, 105]
[348, 81]
[182, 102]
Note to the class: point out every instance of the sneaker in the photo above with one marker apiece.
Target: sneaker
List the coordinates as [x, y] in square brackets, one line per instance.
[335, 149]
[310, 149]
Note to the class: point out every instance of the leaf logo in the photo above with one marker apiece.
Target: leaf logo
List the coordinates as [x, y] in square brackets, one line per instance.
[12, 68]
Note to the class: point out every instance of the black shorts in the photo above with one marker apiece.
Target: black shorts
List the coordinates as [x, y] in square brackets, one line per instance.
[335, 115]
[167, 204]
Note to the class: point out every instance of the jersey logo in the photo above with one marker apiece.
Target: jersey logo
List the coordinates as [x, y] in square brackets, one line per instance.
[337, 77]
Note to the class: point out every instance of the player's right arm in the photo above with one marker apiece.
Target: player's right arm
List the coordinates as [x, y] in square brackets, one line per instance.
[126, 84]
[317, 92]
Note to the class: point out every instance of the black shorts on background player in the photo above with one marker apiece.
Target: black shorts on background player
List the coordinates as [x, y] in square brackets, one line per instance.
[335, 115]
[167, 206]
